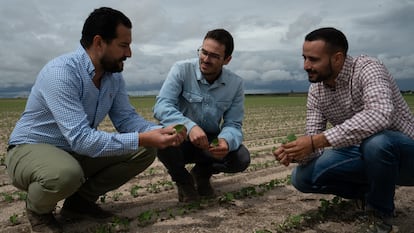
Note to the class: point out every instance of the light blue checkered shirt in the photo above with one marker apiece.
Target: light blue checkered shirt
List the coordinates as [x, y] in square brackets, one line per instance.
[65, 108]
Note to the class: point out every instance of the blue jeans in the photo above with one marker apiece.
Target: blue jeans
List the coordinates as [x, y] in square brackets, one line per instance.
[370, 170]
[175, 159]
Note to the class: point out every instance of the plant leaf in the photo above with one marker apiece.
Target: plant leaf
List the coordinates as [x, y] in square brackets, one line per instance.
[178, 128]
[214, 142]
[291, 137]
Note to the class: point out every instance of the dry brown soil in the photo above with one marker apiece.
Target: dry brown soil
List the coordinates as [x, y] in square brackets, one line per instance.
[251, 201]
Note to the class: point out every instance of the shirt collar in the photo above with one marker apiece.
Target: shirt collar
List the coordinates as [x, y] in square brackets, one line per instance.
[86, 60]
[345, 73]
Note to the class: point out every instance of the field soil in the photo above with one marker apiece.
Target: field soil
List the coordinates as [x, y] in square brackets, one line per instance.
[257, 200]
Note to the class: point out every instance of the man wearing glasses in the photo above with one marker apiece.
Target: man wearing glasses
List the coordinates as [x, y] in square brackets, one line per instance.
[209, 101]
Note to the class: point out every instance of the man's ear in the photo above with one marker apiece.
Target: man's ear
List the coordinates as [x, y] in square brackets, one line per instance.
[338, 59]
[97, 41]
[227, 60]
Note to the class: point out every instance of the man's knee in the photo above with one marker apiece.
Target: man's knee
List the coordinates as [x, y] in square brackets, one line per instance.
[244, 158]
[64, 179]
[379, 146]
[241, 161]
[168, 155]
[301, 181]
[144, 157]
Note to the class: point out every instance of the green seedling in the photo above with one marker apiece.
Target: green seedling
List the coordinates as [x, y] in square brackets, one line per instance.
[14, 219]
[289, 138]
[214, 142]
[178, 128]
[7, 197]
[116, 196]
[134, 190]
[22, 195]
[146, 217]
[226, 198]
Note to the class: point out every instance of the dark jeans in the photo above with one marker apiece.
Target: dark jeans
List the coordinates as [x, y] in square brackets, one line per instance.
[370, 170]
[175, 159]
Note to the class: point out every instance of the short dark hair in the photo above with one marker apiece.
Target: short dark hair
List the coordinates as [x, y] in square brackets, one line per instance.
[334, 38]
[104, 22]
[223, 37]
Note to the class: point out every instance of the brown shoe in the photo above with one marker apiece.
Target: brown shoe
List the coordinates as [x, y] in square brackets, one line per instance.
[203, 185]
[187, 192]
[43, 222]
[77, 207]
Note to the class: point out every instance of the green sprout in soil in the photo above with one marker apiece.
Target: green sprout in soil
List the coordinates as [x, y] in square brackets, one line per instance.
[326, 209]
[14, 219]
[7, 197]
[150, 216]
[134, 190]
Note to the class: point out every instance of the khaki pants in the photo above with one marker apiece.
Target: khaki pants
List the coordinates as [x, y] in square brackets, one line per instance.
[50, 174]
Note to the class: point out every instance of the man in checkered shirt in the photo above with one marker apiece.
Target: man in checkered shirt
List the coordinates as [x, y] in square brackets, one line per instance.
[371, 141]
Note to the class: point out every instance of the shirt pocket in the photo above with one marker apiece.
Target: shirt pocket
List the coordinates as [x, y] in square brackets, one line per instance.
[222, 106]
[192, 97]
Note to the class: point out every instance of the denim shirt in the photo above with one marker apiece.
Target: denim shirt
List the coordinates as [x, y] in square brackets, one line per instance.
[187, 98]
[65, 108]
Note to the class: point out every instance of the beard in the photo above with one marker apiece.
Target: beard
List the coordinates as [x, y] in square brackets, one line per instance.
[204, 64]
[112, 65]
[208, 69]
[315, 76]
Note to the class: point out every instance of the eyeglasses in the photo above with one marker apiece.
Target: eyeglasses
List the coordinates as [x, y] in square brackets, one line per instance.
[202, 53]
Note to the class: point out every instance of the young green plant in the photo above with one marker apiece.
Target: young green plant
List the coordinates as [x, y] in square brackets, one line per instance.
[178, 128]
[289, 138]
[214, 142]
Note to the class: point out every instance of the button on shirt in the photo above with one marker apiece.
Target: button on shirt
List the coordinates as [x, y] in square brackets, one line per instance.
[187, 98]
[365, 100]
[65, 108]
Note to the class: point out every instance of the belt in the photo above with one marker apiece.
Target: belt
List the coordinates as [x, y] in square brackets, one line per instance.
[10, 147]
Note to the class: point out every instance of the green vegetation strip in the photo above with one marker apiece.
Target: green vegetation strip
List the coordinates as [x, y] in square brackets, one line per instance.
[151, 216]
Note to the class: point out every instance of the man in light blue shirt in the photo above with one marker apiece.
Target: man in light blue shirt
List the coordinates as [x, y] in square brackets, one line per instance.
[56, 150]
[209, 100]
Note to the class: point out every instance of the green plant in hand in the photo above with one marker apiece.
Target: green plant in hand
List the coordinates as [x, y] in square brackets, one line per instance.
[289, 138]
[214, 142]
[178, 128]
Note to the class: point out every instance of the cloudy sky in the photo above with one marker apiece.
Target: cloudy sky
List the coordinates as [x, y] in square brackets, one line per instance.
[268, 37]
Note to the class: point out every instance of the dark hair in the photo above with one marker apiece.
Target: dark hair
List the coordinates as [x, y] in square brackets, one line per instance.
[104, 22]
[335, 39]
[223, 37]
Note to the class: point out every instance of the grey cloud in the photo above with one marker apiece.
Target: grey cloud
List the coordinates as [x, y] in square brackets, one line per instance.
[302, 25]
[401, 67]
[268, 37]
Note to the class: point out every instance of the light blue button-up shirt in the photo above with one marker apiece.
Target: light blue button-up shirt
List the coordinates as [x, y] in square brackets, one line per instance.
[65, 108]
[187, 98]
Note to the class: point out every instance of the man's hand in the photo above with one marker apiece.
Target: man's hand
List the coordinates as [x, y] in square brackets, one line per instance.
[221, 150]
[281, 156]
[295, 151]
[162, 138]
[198, 137]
